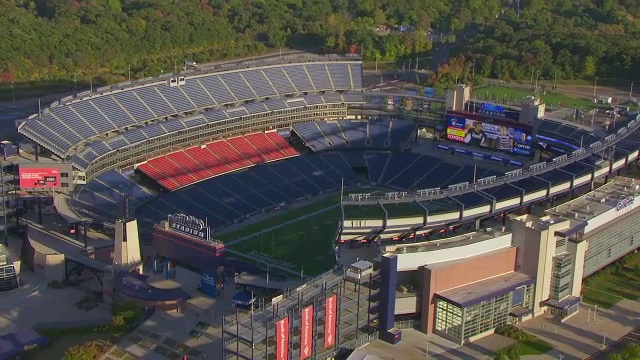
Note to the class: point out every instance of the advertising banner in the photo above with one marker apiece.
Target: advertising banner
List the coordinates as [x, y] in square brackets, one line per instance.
[282, 339]
[306, 333]
[209, 284]
[330, 309]
[490, 136]
[408, 103]
[429, 92]
[39, 178]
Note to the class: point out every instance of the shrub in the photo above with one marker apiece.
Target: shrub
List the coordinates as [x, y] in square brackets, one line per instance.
[90, 350]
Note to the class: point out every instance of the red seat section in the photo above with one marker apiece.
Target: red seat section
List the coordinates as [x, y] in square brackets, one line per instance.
[267, 147]
[189, 165]
[182, 168]
[282, 143]
[209, 160]
[229, 155]
[245, 148]
[156, 174]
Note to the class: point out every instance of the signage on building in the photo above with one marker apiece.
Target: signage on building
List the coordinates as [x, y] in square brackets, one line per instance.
[189, 225]
[306, 333]
[625, 204]
[282, 339]
[494, 110]
[209, 284]
[330, 321]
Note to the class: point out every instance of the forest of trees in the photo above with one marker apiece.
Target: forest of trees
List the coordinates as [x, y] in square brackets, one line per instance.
[69, 39]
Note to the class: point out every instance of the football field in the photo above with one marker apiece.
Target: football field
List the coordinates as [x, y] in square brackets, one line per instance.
[301, 238]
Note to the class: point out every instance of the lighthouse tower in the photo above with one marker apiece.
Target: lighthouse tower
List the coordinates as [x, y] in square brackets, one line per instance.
[126, 251]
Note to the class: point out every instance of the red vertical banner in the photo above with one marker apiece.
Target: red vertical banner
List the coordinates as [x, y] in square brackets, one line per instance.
[282, 339]
[306, 333]
[330, 309]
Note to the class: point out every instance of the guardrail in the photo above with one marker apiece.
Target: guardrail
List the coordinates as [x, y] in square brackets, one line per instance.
[485, 183]
[204, 70]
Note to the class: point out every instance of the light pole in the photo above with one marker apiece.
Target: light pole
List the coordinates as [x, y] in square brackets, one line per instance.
[13, 92]
[4, 204]
[631, 91]
[129, 73]
[537, 76]
[604, 340]
[555, 79]
[531, 80]
[595, 86]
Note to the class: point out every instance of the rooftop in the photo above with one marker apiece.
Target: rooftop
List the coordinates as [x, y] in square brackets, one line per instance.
[597, 202]
[474, 293]
[455, 241]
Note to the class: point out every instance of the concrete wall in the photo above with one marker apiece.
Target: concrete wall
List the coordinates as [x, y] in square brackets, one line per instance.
[412, 261]
[52, 266]
[458, 273]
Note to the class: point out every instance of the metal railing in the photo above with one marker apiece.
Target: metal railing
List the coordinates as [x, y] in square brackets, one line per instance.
[490, 182]
[244, 64]
[362, 340]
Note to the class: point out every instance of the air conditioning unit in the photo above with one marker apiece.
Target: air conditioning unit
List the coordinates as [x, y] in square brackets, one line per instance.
[181, 80]
[172, 82]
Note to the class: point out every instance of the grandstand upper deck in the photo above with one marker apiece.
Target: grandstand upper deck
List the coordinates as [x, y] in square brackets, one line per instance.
[72, 121]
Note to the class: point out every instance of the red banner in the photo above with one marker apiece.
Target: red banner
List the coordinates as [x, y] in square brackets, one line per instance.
[282, 339]
[306, 333]
[39, 178]
[330, 309]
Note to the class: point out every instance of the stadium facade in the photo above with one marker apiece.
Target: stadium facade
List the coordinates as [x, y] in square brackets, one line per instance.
[465, 286]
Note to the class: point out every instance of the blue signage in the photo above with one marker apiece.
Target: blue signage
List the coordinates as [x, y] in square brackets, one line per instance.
[429, 92]
[492, 107]
[209, 284]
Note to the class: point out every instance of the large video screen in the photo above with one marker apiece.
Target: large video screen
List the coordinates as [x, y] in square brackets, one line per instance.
[39, 178]
[490, 136]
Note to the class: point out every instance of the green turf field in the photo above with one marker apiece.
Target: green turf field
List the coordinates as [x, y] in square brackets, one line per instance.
[509, 95]
[302, 236]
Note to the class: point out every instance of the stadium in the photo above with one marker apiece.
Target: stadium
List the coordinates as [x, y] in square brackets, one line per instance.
[295, 164]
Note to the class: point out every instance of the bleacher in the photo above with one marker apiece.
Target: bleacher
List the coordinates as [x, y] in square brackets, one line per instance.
[238, 195]
[565, 132]
[100, 147]
[374, 134]
[185, 167]
[66, 125]
[105, 192]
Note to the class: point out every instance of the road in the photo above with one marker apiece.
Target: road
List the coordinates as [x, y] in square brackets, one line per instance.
[632, 336]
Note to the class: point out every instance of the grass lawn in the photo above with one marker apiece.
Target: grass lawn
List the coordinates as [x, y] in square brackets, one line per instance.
[509, 95]
[534, 347]
[307, 243]
[296, 237]
[527, 344]
[610, 289]
[286, 216]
